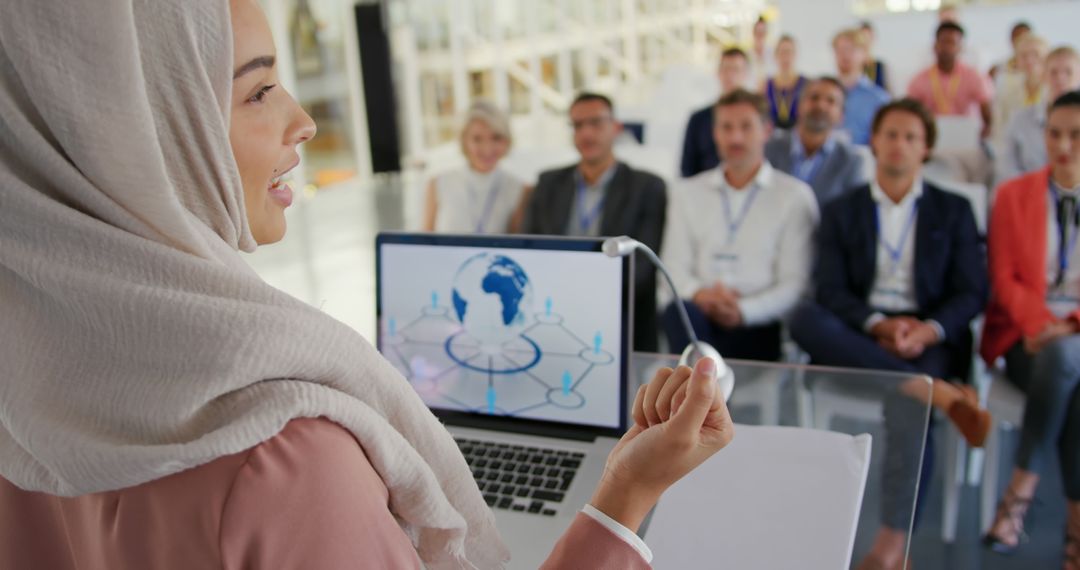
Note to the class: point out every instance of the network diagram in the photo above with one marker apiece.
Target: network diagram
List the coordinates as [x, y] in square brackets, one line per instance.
[535, 362]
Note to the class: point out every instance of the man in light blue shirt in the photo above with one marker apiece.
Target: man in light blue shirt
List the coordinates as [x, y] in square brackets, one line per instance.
[811, 152]
[863, 97]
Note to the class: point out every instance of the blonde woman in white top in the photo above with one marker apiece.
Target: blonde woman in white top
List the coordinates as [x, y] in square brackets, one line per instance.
[1023, 88]
[480, 198]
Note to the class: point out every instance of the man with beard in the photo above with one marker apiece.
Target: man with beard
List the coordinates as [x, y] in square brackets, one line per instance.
[811, 152]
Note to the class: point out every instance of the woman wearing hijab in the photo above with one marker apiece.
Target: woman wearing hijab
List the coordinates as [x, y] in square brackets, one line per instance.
[163, 407]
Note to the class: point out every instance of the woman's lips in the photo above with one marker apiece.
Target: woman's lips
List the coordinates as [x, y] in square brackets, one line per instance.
[281, 193]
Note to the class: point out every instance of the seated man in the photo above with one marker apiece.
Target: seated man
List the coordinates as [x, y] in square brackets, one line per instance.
[862, 98]
[812, 153]
[746, 272]
[600, 196]
[699, 150]
[900, 275]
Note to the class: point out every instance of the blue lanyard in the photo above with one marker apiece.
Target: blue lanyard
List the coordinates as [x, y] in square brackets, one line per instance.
[489, 201]
[587, 218]
[734, 225]
[1064, 253]
[895, 253]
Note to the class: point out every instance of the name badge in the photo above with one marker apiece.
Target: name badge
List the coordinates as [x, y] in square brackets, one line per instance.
[725, 267]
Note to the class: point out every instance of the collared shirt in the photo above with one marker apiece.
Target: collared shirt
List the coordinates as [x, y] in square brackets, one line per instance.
[894, 282]
[960, 92]
[1024, 147]
[860, 105]
[1063, 300]
[805, 168]
[588, 208]
[760, 245]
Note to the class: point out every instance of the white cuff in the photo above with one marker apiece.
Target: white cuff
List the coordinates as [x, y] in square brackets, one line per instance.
[871, 321]
[940, 330]
[620, 531]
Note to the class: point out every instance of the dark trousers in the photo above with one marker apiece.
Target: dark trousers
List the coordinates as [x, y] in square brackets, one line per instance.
[1052, 413]
[831, 342]
[742, 343]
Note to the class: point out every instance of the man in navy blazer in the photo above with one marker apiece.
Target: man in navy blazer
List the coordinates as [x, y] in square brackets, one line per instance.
[899, 277]
[811, 151]
[699, 148]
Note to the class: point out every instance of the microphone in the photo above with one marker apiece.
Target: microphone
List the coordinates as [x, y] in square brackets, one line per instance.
[623, 246]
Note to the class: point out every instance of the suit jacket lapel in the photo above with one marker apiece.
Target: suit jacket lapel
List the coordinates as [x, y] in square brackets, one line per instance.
[616, 195]
[562, 203]
[867, 236]
[926, 225]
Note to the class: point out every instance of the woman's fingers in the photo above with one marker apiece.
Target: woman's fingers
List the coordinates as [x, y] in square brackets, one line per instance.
[667, 393]
[652, 391]
[636, 410]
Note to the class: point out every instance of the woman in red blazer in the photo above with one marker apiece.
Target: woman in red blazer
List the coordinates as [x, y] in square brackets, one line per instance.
[1033, 320]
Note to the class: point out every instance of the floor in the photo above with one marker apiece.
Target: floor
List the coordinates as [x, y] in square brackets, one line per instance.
[327, 259]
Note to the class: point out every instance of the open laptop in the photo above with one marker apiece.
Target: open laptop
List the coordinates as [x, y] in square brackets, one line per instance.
[520, 345]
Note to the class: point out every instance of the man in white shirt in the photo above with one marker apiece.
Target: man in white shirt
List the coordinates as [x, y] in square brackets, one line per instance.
[739, 239]
[899, 277]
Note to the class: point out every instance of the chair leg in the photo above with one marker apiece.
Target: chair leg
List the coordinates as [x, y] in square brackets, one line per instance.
[954, 481]
[991, 474]
[803, 400]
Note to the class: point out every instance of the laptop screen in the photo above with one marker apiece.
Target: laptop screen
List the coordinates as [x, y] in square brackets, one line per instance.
[529, 331]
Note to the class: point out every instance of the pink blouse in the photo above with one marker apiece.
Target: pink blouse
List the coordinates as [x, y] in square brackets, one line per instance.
[306, 498]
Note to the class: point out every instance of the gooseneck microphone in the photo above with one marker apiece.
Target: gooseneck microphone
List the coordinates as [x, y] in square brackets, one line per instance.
[623, 246]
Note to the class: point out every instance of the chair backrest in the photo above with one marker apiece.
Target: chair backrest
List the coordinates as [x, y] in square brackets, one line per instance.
[776, 497]
[975, 193]
[957, 133]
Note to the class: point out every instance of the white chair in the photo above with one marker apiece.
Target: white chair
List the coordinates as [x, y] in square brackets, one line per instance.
[776, 497]
[1006, 403]
[975, 193]
[957, 133]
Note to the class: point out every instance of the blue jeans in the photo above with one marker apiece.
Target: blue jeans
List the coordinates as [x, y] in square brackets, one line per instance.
[1052, 413]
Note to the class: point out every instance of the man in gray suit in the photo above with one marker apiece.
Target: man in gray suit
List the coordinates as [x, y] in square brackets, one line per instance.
[811, 152]
[601, 196]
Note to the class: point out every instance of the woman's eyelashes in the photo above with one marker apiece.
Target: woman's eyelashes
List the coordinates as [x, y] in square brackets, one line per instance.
[260, 95]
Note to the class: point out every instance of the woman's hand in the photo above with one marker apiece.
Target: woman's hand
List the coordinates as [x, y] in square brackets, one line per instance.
[1052, 331]
[680, 420]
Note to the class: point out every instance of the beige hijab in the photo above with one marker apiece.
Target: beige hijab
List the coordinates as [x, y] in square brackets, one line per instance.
[134, 340]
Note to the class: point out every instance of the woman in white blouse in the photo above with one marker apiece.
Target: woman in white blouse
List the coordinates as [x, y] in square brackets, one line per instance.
[480, 198]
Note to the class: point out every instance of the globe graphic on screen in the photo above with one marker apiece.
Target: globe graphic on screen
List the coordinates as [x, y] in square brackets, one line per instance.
[492, 298]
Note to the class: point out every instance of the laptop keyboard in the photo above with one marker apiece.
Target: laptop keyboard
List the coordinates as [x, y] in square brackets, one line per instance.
[521, 478]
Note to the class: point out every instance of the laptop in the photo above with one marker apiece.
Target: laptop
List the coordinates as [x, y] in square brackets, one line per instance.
[520, 345]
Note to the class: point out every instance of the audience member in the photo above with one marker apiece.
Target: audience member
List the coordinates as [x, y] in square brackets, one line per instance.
[1025, 88]
[875, 69]
[1024, 147]
[1011, 65]
[782, 90]
[863, 98]
[744, 274]
[479, 198]
[699, 149]
[812, 152]
[900, 276]
[1033, 320]
[761, 54]
[601, 196]
[949, 87]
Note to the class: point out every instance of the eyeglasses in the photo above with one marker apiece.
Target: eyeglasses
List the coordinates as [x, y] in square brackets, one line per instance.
[593, 122]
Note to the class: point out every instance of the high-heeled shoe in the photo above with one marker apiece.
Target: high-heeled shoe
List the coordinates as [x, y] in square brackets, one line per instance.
[972, 421]
[1014, 508]
[1072, 549]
